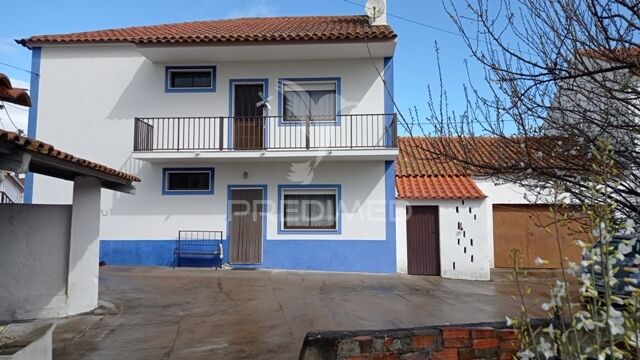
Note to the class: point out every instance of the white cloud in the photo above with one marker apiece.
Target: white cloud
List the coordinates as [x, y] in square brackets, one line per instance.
[19, 114]
[257, 8]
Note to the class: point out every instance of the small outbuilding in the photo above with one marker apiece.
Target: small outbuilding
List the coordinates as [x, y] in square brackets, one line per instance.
[457, 222]
[49, 254]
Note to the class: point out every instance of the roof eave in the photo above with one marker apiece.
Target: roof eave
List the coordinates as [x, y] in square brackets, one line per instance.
[28, 43]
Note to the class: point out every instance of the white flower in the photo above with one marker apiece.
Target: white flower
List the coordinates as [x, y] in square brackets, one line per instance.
[624, 249]
[539, 262]
[546, 348]
[616, 322]
[633, 270]
[602, 233]
[629, 226]
[547, 306]
[509, 321]
[549, 330]
[560, 289]
[584, 321]
[617, 300]
[632, 338]
[526, 354]
[573, 269]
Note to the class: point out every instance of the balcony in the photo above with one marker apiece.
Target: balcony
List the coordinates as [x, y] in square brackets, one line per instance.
[265, 136]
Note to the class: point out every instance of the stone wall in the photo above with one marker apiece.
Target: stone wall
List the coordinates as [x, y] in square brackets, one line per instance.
[448, 342]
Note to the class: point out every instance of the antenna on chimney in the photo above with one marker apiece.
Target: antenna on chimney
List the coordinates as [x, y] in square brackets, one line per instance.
[376, 10]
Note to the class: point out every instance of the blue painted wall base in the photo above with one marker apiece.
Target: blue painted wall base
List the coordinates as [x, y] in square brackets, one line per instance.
[373, 256]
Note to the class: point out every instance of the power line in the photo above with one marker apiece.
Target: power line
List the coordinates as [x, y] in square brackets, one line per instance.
[416, 22]
[18, 68]
[9, 116]
[21, 108]
[456, 33]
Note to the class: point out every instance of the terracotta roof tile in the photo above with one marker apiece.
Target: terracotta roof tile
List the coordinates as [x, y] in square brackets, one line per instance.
[437, 187]
[277, 29]
[48, 149]
[422, 156]
[13, 95]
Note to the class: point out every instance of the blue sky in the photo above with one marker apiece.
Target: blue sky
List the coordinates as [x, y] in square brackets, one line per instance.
[415, 61]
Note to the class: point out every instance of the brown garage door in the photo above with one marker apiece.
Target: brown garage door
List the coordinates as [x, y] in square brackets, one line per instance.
[423, 240]
[522, 227]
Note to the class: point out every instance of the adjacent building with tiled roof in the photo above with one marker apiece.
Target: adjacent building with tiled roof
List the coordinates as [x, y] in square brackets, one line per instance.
[423, 173]
[13, 95]
[35, 146]
[450, 206]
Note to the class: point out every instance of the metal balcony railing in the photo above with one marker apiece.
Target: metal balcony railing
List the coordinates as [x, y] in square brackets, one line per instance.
[366, 131]
[5, 199]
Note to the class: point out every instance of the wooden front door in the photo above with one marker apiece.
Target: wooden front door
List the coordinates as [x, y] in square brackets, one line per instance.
[521, 229]
[245, 240]
[248, 124]
[423, 240]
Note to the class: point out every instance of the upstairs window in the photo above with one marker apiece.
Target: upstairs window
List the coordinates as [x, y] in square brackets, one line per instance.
[316, 101]
[191, 79]
[188, 181]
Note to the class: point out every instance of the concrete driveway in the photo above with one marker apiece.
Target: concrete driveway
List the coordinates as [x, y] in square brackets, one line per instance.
[207, 314]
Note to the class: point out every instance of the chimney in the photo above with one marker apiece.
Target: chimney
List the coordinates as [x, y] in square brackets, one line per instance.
[377, 12]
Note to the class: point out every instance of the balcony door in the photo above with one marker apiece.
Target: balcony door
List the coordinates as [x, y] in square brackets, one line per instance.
[248, 124]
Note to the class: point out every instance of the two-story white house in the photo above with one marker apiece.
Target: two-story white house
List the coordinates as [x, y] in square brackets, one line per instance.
[278, 132]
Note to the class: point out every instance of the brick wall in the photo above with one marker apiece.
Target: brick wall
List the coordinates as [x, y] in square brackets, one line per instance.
[448, 342]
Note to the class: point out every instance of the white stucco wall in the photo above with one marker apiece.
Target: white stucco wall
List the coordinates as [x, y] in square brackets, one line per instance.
[49, 256]
[473, 237]
[84, 246]
[34, 249]
[149, 215]
[98, 90]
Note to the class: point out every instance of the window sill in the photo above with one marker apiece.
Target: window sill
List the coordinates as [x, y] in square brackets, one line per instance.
[190, 90]
[309, 231]
[182, 193]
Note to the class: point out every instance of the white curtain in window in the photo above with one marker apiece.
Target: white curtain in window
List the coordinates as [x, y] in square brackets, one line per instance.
[315, 100]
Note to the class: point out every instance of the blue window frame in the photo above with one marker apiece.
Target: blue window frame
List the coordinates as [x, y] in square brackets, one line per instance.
[188, 181]
[190, 79]
[310, 209]
[318, 97]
